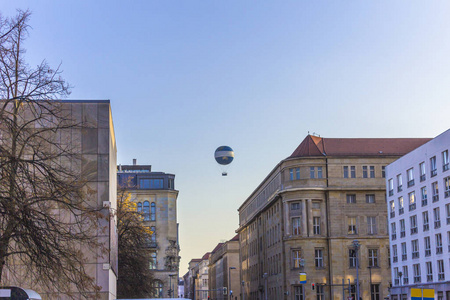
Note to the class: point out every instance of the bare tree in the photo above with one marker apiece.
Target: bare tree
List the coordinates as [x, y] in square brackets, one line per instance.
[46, 216]
[135, 277]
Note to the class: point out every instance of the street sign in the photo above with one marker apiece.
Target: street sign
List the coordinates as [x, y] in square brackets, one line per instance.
[302, 278]
[422, 294]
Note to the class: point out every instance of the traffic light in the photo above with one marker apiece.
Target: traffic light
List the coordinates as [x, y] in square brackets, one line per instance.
[313, 286]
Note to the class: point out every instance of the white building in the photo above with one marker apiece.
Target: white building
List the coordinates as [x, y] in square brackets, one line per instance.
[418, 199]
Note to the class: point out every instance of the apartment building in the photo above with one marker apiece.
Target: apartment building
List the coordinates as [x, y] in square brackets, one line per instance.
[321, 211]
[156, 198]
[224, 278]
[418, 187]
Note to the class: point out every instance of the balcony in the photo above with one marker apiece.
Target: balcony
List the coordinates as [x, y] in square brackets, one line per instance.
[391, 192]
[422, 177]
[429, 278]
[445, 167]
[447, 193]
[415, 255]
[435, 198]
[433, 172]
[399, 189]
[439, 250]
[402, 234]
[394, 237]
[427, 252]
[416, 279]
[413, 230]
[395, 259]
[424, 202]
[401, 211]
[405, 280]
[412, 206]
[426, 227]
[404, 257]
[392, 214]
[441, 276]
[411, 183]
[437, 224]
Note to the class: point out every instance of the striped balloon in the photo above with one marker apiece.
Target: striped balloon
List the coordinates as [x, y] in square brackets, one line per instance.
[224, 155]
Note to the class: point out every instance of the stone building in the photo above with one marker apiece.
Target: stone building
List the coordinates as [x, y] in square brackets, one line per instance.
[190, 279]
[418, 188]
[156, 198]
[223, 265]
[93, 138]
[304, 216]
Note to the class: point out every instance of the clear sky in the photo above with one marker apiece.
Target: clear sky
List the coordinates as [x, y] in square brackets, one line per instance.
[185, 77]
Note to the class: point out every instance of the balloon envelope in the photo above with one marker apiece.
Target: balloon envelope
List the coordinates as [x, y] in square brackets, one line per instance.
[224, 155]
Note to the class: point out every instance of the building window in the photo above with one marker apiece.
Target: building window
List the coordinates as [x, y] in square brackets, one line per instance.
[312, 172]
[423, 192]
[401, 209]
[153, 212]
[393, 231]
[447, 187]
[352, 171]
[364, 169]
[345, 171]
[144, 183]
[445, 160]
[391, 187]
[410, 174]
[422, 171]
[153, 236]
[427, 244]
[318, 258]
[157, 289]
[396, 280]
[316, 225]
[370, 198]
[447, 212]
[435, 188]
[429, 271]
[139, 207]
[351, 198]
[438, 243]
[351, 221]
[296, 206]
[372, 171]
[413, 224]
[291, 174]
[392, 208]
[416, 268]
[320, 295]
[351, 258]
[152, 263]
[437, 218]
[394, 254]
[405, 275]
[402, 228]
[373, 257]
[171, 184]
[146, 211]
[294, 173]
[399, 183]
[296, 226]
[383, 171]
[433, 166]
[371, 225]
[297, 258]
[375, 292]
[319, 172]
[298, 292]
[415, 248]
[404, 252]
[425, 220]
[441, 274]
[412, 201]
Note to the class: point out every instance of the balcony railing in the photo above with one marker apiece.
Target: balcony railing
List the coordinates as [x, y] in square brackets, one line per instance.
[416, 279]
[439, 250]
[424, 202]
[413, 230]
[445, 167]
[437, 224]
[429, 278]
[401, 211]
[411, 183]
[405, 280]
[435, 198]
[402, 234]
[394, 236]
[433, 172]
[422, 177]
[391, 192]
[447, 193]
[427, 252]
[426, 227]
[395, 259]
[392, 214]
[399, 188]
[404, 257]
[415, 255]
[412, 206]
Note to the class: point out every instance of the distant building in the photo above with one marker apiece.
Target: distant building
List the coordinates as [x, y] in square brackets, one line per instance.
[190, 278]
[305, 215]
[418, 188]
[156, 198]
[224, 263]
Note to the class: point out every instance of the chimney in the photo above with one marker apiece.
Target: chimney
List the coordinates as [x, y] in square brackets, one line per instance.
[134, 161]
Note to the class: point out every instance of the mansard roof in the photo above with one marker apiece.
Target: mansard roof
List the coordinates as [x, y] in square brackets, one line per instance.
[318, 146]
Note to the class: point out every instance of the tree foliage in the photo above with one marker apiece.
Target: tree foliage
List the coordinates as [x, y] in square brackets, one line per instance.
[135, 277]
[46, 216]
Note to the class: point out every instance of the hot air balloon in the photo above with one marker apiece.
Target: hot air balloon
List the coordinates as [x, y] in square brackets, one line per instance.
[224, 155]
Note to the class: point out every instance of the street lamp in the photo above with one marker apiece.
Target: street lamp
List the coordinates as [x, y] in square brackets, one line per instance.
[170, 284]
[356, 244]
[229, 279]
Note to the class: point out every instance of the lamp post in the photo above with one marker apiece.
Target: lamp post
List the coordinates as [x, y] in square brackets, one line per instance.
[229, 280]
[356, 244]
[400, 274]
[170, 284]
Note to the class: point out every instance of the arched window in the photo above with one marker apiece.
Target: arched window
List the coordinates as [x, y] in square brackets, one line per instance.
[153, 237]
[153, 261]
[146, 211]
[139, 207]
[157, 286]
[153, 212]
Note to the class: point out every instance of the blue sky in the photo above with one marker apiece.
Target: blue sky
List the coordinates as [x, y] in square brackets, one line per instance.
[185, 77]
